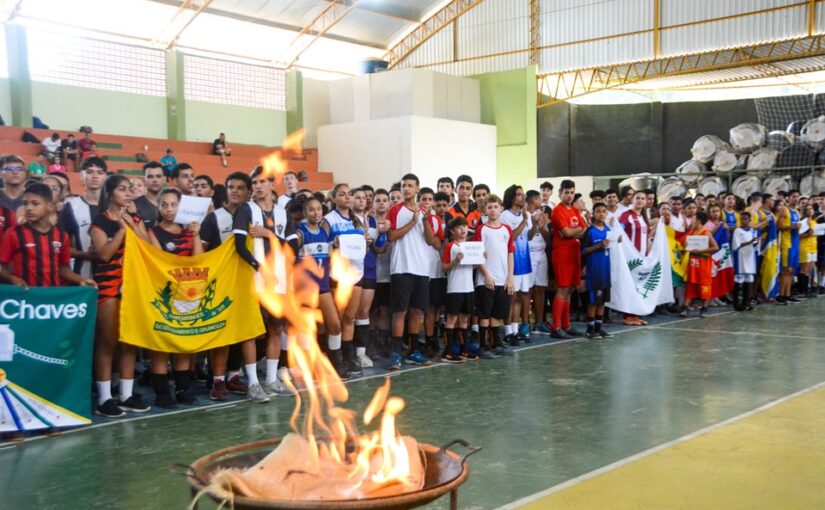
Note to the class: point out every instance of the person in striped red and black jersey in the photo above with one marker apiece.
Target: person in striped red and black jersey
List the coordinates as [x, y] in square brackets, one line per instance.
[184, 241]
[37, 252]
[108, 233]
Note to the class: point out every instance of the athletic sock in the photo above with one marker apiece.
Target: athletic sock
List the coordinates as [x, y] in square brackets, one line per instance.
[495, 332]
[160, 383]
[482, 337]
[461, 337]
[232, 373]
[219, 378]
[591, 322]
[558, 310]
[598, 324]
[360, 351]
[412, 342]
[126, 386]
[474, 327]
[283, 358]
[271, 370]
[104, 391]
[450, 334]
[182, 379]
[334, 342]
[397, 345]
[251, 374]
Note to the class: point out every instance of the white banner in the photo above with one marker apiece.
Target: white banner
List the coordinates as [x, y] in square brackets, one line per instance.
[639, 283]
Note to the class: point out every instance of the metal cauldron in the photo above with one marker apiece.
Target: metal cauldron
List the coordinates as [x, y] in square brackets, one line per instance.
[445, 471]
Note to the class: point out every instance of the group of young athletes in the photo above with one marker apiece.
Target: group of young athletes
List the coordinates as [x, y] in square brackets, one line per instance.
[412, 277]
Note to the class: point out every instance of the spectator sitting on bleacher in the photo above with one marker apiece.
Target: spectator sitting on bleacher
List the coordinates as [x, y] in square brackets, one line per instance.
[168, 161]
[37, 168]
[181, 178]
[68, 149]
[57, 165]
[220, 147]
[14, 180]
[52, 144]
[86, 146]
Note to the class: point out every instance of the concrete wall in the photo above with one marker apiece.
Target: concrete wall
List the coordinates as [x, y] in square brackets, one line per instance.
[316, 109]
[508, 101]
[204, 121]
[378, 152]
[67, 107]
[630, 138]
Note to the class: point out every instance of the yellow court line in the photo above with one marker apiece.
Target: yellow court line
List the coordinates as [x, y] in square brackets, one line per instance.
[772, 458]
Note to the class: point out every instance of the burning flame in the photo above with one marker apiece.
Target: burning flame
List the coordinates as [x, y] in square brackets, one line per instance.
[376, 459]
[275, 164]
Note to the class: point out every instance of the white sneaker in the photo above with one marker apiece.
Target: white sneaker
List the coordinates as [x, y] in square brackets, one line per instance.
[365, 361]
[257, 394]
[277, 388]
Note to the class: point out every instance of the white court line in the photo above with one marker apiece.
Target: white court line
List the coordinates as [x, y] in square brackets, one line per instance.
[741, 333]
[213, 407]
[627, 460]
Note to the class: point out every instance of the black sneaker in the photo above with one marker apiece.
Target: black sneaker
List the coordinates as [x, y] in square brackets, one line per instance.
[165, 401]
[337, 360]
[604, 334]
[560, 334]
[134, 404]
[794, 299]
[591, 333]
[512, 340]
[702, 312]
[109, 409]
[184, 397]
[573, 332]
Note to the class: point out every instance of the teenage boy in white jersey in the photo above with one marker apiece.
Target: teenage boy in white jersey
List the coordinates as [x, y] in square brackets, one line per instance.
[414, 240]
[494, 280]
[523, 229]
[259, 218]
[78, 213]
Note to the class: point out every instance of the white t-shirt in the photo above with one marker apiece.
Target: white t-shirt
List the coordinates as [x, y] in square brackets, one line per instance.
[51, 145]
[498, 244]
[612, 219]
[284, 199]
[745, 259]
[677, 223]
[411, 253]
[460, 278]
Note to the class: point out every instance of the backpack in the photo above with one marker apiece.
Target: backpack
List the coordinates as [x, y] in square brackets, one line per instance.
[29, 138]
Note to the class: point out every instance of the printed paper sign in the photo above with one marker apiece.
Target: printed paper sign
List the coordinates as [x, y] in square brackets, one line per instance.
[192, 209]
[352, 246]
[697, 243]
[473, 253]
[804, 226]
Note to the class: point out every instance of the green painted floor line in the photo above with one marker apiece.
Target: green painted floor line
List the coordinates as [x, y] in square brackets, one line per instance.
[623, 462]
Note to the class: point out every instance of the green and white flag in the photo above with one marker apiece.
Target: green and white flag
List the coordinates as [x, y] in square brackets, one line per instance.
[640, 283]
[46, 345]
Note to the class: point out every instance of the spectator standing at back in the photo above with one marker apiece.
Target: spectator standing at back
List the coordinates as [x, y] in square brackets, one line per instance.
[78, 213]
[68, 149]
[169, 161]
[546, 196]
[290, 181]
[14, 175]
[52, 145]
[220, 147]
[182, 178]
[147, 205]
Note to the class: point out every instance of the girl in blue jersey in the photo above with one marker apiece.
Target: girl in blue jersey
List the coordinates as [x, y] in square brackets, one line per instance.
[315, 242]
[342, 221]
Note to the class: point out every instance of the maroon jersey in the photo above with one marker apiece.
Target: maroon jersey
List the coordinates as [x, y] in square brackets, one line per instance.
[180, 244]
[8, 219]
[36, 256]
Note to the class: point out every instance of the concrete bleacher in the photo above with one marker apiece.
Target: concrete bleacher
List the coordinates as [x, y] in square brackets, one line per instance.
[119, 153]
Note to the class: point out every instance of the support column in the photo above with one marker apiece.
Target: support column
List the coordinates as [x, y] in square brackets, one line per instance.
[20, 83]
[535, 31]
[175, 101]
[294, 101]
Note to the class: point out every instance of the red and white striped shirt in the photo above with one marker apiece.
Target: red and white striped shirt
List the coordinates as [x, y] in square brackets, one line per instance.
[636, 229]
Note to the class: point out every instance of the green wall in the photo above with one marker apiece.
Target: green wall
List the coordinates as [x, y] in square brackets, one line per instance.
[508, 101]
[67, 107]
[204, 121]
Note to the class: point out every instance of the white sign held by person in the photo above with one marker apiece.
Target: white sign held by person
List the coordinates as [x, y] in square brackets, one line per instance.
[640, 283]
[473, 253]
[192, 209]
[697, 243]
[352, 246]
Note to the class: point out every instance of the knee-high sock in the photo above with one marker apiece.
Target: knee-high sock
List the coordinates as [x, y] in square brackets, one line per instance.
[558, 310]
[565, 316]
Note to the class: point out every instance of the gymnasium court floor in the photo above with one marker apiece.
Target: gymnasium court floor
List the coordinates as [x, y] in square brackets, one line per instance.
[719, 413]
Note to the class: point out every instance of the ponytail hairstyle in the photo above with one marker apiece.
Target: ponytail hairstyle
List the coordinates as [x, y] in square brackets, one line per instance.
[109, 186]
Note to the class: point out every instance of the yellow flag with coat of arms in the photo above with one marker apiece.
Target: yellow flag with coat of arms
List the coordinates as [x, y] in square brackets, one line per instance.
[186, 304]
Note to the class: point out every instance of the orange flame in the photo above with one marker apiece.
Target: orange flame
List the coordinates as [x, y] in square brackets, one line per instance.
[379, 458]
[275, 164]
